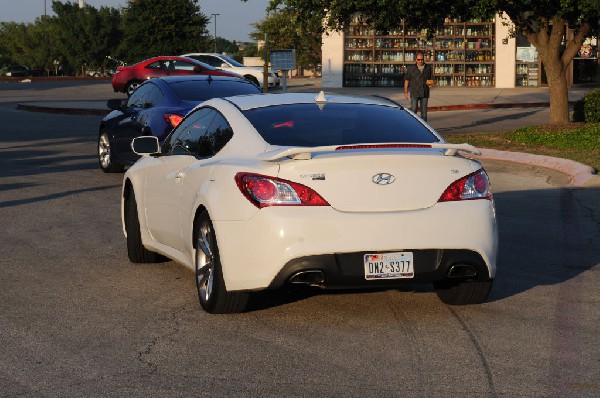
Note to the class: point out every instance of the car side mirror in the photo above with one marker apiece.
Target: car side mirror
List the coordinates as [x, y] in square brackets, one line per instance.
[145, 145]
[198, 69]
[224, 65]
[116, 104]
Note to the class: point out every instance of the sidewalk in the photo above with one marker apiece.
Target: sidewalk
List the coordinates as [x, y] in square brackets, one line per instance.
[450, 98]
[442, 99]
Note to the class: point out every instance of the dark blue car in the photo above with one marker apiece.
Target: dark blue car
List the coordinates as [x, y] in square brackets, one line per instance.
[155, 108]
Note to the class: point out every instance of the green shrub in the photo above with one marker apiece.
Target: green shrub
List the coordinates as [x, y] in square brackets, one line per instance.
[587, 109]
[591, 106]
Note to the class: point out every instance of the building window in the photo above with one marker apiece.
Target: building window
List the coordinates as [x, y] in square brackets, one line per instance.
[461, 53]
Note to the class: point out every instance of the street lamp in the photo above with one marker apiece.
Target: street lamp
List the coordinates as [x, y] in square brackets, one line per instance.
[215, 15]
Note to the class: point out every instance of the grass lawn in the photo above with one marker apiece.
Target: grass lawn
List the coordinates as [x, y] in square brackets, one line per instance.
[575, 141]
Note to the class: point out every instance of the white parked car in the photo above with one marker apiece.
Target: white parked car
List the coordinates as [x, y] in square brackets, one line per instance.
[264, 191]
[252, 73]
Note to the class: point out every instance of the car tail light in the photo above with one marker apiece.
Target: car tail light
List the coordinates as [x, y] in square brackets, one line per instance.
[265, 191]
[173, 119]
[473, 186]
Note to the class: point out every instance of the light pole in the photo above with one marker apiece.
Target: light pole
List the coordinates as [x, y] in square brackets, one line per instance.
[215, 15]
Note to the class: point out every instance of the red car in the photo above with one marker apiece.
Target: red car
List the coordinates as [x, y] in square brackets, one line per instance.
[127, 78]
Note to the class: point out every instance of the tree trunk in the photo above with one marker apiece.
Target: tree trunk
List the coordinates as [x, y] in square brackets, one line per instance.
[548, 41]
[559, 97]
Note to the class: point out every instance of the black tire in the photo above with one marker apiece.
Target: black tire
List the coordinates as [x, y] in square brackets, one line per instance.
[131, 86]
[135, 250]
[212, 293]
[463, 292]
[252, 79]
[104, 155]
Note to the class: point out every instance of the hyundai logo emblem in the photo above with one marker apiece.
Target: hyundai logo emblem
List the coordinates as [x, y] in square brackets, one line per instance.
[383, 179]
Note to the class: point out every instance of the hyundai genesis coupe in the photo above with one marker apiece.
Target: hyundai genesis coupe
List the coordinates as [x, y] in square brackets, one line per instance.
[265, 191]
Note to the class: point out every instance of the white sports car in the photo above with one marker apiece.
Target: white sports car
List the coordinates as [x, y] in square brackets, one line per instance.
[264, 191]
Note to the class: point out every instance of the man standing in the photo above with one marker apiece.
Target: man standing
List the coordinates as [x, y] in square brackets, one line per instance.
[417, 80]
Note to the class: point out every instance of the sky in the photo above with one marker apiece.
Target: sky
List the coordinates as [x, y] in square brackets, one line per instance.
[234, 21]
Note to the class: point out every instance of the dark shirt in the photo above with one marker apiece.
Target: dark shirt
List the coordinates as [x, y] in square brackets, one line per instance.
[416, 80]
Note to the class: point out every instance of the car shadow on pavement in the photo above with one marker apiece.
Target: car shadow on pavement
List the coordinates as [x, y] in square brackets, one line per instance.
[266, 299]
[447, 123]
[546, 237]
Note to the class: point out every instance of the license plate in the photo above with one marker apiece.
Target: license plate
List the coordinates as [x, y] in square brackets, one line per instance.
[389, 265]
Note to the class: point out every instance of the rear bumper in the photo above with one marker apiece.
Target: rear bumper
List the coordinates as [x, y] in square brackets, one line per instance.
[273, 81]
[347, 270]
[266, 250]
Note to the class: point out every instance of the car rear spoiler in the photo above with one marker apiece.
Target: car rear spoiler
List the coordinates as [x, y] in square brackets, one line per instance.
[305, 153]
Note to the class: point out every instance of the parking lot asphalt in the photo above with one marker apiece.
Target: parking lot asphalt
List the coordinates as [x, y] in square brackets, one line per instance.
[93, 102]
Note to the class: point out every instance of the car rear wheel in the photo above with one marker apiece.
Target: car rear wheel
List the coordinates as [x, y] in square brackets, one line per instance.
[131, 86]
[252, 79]
[463, 292]
[135, 249]
[212, 292]
[104, 155]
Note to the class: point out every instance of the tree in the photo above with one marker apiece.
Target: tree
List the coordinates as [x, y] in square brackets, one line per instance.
[162, 27]
[31, 44]
[285, 30]
[13, 42]
[84, 37]
[226, 46]
[544, 25]
[542, 22]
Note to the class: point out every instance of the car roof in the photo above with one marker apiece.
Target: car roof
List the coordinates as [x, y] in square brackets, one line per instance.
[188, 54]
[174, 57]
[247, 102]
[194, 78]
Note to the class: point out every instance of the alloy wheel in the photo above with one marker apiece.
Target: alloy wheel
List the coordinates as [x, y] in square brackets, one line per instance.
[104, 151]
[205, 263]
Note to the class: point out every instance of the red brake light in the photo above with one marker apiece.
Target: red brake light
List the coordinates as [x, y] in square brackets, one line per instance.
[262, 189]
[265, 191]
[173, 119]
[473, 186]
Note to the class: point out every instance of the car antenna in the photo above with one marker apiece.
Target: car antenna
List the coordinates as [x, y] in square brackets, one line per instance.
[321, 100]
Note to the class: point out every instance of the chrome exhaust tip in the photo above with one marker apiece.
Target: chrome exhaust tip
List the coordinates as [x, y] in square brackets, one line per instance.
[312, 278]
[462, 271]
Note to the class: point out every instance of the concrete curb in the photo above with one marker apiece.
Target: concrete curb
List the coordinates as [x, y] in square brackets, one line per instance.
[579, 173]
[487, 106]
[62, 110]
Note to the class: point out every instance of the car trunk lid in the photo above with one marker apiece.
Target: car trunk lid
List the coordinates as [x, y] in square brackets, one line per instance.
[377, 179]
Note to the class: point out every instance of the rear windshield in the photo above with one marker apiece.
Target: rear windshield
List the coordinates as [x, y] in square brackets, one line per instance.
[307, 125]
[204, 90]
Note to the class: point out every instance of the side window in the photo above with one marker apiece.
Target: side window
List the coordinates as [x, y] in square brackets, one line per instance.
[219, 133]
[168, 65]
[212, 61]
[154, 97]
[155, 65]
[187, 137]
[138, 98]
[182, 65]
